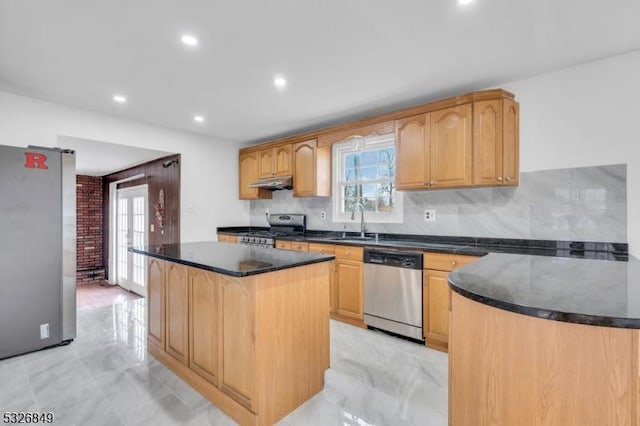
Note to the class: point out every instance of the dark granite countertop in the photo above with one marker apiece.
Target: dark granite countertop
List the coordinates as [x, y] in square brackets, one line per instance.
[584, 291]
[459, 245]
[237, 260]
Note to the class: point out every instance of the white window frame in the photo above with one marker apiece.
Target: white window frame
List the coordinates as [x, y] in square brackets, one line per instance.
[357, 144]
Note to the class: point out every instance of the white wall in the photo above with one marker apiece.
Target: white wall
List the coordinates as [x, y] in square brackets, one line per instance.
[585, 116]
[209, 169]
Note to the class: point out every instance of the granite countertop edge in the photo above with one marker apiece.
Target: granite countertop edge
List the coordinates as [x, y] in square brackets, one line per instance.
[549, 314]
[233, 273]
[466, 286]
[459, 245]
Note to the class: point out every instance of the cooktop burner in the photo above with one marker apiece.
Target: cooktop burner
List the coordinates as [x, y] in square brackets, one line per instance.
[281, 225]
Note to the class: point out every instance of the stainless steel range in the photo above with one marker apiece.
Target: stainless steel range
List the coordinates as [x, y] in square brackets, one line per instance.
[280, 224]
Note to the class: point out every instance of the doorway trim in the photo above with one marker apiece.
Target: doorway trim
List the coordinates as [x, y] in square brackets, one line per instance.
[113, 200]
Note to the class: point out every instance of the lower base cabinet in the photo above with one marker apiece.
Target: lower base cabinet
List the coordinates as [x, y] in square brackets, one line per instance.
[437, 297]
[256, 346]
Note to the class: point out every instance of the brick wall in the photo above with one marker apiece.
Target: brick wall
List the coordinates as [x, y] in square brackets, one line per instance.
[89, 229]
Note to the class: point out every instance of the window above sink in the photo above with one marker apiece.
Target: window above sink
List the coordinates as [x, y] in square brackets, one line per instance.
[364, 173]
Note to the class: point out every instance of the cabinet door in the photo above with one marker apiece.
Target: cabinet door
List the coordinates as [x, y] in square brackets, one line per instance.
[304, 169]
[265, 163]
[436, 309]
[451, 147]
[155, 300]
[510, 135]
[333, 291]
[248, 174]
[238, 342]
[205, 320]
[349, 283]
[487, 142]
[177, 306]
[412, 148]
[282, 161]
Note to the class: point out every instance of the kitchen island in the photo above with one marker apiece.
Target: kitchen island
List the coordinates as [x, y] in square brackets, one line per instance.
[543, 340]
[247, 327]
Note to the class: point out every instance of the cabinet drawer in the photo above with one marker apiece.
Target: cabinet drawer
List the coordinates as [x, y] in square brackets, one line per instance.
[348, 252]
[446, 262]
[299, 246]
[322, 248]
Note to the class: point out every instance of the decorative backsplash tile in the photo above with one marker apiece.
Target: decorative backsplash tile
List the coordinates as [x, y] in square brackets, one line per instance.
[581, 204]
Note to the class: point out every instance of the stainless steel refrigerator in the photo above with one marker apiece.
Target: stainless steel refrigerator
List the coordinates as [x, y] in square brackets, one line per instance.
[37, 248]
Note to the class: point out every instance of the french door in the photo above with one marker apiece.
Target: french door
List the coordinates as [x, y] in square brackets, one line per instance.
[131, 230]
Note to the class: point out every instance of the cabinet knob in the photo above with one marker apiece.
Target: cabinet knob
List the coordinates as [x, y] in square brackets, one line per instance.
[348, 252]
[507, 178]
[432, 182]
[453, 263]
[499, 178]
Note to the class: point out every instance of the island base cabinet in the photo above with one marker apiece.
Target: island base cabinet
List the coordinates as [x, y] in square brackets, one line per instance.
[512, 369]
[258, 346]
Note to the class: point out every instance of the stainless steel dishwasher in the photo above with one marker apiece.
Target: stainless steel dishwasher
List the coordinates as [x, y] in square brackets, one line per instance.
[393, 291]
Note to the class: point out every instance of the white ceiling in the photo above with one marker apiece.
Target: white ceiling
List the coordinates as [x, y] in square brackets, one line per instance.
[343, 59]
[95, 158]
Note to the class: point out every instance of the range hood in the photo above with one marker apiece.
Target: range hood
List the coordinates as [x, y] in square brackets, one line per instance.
[273, 183]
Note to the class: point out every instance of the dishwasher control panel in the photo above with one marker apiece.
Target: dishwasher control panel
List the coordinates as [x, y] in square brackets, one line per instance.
[391, 258]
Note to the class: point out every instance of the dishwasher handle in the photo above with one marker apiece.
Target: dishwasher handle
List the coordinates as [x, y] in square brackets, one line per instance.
[392, 258]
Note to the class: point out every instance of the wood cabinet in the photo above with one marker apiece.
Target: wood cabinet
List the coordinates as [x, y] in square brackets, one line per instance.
[156, 301]
[450, 147]
[249, 170]
[412, 152]
[311, 169]
[225, 238]
[283, 244]
[177, 313]
[349, 282]
[238, 342]
[258, 346]
[507, 368]
[275, 161]
[495, 142]
[458, 142]
[205, 319]
[437, 295]
[333, 291]
[434, 150]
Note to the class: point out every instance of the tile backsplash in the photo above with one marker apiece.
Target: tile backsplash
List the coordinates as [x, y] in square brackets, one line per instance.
[579, 204]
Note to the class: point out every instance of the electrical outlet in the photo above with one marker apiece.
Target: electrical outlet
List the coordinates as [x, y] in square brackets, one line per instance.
[430, 215]
[323, 215]
[44, 331]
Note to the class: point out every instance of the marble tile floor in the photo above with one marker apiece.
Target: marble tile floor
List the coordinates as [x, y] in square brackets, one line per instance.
[99, 294]
[105, 377]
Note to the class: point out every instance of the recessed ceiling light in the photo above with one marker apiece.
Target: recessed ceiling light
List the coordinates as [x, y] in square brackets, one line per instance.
[465, 1]
[280, 82]
[198, 118]
[189, 40]
[120, 99]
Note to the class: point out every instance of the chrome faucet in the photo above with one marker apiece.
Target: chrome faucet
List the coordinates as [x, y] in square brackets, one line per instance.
[353, 217]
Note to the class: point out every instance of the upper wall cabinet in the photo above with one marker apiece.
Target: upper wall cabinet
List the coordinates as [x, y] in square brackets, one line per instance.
[311, 169]
[275, 161]
[249, 169]
[495, 142]
[451, 147]
[412, 152]
[434, 150]
[458, 142]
